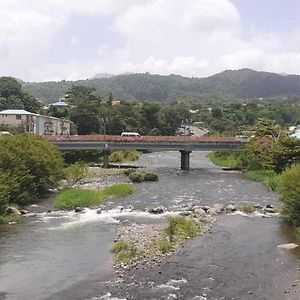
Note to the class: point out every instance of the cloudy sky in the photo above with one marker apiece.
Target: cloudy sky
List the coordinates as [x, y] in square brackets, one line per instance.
[75, 39]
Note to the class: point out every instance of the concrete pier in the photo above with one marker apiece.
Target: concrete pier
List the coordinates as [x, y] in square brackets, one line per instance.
[185, 159]
[105, 159]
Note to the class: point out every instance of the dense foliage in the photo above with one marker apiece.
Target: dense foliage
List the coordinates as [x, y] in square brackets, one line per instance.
[227, 85]
[28, 166]
[13, 97]
[290, 190]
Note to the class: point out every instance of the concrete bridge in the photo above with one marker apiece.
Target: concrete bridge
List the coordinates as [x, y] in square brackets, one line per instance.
[184, 144]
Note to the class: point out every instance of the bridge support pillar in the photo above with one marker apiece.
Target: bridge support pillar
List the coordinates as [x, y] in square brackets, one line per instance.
[105, 159]
[185, 159]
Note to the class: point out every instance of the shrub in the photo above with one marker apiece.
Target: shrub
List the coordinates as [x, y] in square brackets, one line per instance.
[163, 245]
[124, 155]
[289, 187]
[182, 228]
[30, 166]
[128, 171]
[150, 176]
[124, 251]
[247, 208]
[76, 172]
[136, 176]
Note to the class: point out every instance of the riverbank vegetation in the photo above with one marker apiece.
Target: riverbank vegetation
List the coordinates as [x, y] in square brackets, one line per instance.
[76, 172]
[271, 157]
[124, 155]
[140, 176]
[71, 198]
[29, 166]
[149, 242]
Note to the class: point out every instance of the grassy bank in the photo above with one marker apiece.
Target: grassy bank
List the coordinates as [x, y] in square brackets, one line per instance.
[6, 219]
[231, 160]
[225, 159]
[268, 177]
[72, 198]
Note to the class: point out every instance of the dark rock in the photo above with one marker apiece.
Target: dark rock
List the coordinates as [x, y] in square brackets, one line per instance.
[78, 209]
[269, 206]
[24, 211]
[269, 210]
[156, 210]
[98, 211]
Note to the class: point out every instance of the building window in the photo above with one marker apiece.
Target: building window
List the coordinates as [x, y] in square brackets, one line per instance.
[18, 117]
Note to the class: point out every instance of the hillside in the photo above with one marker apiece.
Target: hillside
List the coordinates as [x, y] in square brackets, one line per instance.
[240, 84]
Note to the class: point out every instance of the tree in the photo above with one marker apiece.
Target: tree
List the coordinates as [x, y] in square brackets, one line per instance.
[29, 165]
[12, 96]
[289, 187]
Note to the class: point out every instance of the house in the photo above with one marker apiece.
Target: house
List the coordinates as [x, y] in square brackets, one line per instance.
[34, 123]
[60, 104]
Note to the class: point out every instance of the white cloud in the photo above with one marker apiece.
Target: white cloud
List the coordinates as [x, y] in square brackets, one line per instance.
[192, 38]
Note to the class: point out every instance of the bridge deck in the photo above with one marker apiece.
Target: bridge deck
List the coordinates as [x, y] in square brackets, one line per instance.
[143, 139]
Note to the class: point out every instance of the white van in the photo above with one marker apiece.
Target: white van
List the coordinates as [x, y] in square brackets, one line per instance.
[130, 134]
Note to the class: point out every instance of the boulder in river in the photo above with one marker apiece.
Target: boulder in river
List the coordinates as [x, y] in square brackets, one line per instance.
[230, 208]
[270, 210]
[288, 246]
[199, 212]
[216, 209]
[79, 209]
[12, 211]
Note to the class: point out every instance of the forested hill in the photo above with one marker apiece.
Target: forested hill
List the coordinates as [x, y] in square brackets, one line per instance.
[239, 84]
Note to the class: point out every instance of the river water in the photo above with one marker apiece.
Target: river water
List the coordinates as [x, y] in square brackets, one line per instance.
[61, 255]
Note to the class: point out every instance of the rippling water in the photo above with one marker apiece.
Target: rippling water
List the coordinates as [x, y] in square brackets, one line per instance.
[66, 255]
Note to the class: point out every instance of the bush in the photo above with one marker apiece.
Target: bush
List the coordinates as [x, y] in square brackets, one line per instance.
[29, 165]
[128, 171]
[124, 251]
[150, 176]
[247, 208]
[136, 177]
[124, 155]
[289, 188]
[163, 245]
[76, 172]
[182, 228]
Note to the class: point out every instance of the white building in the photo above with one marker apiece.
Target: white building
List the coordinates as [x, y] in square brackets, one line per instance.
[34, 123]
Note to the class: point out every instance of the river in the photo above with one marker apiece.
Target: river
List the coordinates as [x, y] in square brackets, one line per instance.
[61, 255]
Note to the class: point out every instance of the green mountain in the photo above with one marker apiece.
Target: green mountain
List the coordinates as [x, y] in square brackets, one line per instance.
[240, 84]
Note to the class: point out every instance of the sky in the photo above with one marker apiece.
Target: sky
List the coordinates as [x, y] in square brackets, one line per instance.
[76, 39]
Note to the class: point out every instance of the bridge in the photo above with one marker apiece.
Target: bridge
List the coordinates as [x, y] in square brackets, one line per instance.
[184, 144]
